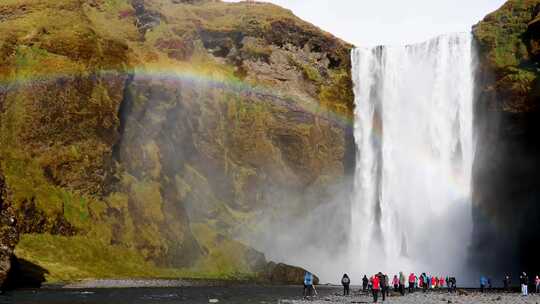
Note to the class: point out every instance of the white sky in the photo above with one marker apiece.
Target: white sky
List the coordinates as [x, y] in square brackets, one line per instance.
[390, 22]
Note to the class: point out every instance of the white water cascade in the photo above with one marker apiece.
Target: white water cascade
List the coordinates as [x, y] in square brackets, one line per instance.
[411, 209]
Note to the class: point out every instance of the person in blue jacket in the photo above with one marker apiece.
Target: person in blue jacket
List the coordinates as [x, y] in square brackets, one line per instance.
[308, 284]
[483, 283]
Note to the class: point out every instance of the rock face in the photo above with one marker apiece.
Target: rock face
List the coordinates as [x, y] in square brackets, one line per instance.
[507, 175]
[152, 133]
[8, 233]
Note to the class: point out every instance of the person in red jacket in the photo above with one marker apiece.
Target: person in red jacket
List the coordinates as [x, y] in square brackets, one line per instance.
[433, 280]
[441, 282]
[412, 280]
[376, 287]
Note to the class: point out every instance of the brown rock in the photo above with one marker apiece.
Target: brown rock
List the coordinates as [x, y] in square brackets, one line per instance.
[8, 233]
[154, 152]
[506, 170]
[284, 274]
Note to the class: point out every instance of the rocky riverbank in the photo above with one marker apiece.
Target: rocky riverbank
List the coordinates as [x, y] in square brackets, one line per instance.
[461, 297]
[276, 274]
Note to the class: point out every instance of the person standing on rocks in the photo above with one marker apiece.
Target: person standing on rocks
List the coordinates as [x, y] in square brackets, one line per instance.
[524, 281]
[386, 287]
[383, 282]
[412, 282]
[402, 283]
[537, 284]
[345, 281]
[453, 284]
[441, 282]
[395, 282]
[375, 281]
[424, 280]
[483, 283]
[506, 283]
[365, 282]
[308, 284]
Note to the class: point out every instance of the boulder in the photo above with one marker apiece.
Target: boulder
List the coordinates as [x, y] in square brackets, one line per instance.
[279, 273]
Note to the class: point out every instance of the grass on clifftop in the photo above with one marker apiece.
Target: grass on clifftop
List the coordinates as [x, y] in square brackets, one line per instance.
[222, 16]
[501, 32]
[503, 38]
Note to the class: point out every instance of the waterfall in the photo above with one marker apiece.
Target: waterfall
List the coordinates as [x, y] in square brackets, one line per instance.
[411, 208]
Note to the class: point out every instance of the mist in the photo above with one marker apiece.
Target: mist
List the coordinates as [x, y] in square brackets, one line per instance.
[316, 238]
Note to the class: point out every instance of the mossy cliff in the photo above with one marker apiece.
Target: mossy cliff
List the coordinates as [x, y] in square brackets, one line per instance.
[140, 138]
[507, 178]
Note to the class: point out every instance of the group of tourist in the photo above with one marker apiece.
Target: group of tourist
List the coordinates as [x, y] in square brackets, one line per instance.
[380, 284]
[524, 283]
[485, 283]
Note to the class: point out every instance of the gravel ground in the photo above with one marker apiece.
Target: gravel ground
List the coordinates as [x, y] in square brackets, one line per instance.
[469, 297]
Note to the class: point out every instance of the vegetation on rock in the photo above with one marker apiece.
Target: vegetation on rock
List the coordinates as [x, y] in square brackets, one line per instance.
[139, 138]
[506, 167]
[507, 39]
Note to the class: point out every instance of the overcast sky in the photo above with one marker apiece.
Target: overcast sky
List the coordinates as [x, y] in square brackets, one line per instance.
[390, 22]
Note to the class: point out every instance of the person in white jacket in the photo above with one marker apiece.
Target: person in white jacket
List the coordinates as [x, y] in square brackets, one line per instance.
[524, 281]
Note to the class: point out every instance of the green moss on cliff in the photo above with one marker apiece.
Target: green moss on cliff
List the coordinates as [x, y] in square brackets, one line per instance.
[507, 50]
[92, 205]
[68, 259]
[501, 33]
[224, 257]
[27, 183]
[337, 95]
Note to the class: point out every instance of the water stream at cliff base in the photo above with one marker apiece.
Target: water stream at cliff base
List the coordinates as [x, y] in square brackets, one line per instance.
[411, 207]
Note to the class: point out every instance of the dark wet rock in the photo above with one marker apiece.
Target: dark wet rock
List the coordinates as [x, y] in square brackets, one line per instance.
[25, 274]
[507, 165]
[146, 19]
[279, 273]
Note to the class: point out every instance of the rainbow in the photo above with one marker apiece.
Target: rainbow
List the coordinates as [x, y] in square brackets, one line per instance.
[174, 75]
